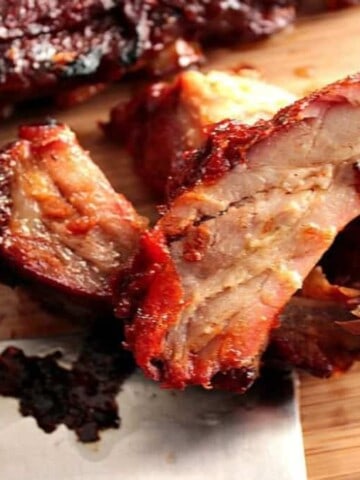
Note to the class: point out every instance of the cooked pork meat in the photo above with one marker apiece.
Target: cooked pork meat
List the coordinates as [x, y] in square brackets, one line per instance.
[333, 4]
[159, 124]
[61, 223]
[317, 6]
[41, 65]
[49, 46]
[256, 212]
[56, 63]
[319, 327]
[31, 17]
[313, 336]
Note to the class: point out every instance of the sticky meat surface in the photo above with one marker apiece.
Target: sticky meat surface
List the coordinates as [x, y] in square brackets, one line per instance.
[166, 119]
[333, 4]
[61, 223]
[30, 18]
[49, 46]
[257, 212]
[39, 66]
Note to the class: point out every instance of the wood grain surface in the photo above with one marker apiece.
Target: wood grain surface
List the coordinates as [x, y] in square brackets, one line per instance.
[319, 49]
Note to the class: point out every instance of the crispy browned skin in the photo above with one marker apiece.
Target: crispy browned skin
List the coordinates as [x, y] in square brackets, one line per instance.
[97, 41]
[163, 121]
[61, 223]
[259, 208]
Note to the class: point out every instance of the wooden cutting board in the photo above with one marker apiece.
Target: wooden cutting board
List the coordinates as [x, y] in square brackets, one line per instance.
[319, 49]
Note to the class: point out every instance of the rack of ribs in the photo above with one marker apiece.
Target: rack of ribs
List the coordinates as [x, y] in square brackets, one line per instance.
[61, 223]
[50, 47]
[70, 50]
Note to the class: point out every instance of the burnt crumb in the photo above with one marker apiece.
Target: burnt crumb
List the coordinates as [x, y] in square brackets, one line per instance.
[82, 398]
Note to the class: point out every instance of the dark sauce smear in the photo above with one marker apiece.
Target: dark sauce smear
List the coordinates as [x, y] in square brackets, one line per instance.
[82, 398]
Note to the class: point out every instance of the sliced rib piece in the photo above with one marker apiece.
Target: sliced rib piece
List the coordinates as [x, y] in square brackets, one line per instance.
[61, 223]
[166, 119]
[256, 213]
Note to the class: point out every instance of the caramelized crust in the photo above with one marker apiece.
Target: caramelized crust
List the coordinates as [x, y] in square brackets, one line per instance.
[334, 4]
[228, 142]
[61, 223]
[48, 46]
[41, 65]
[255, 216]
[32, 17]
